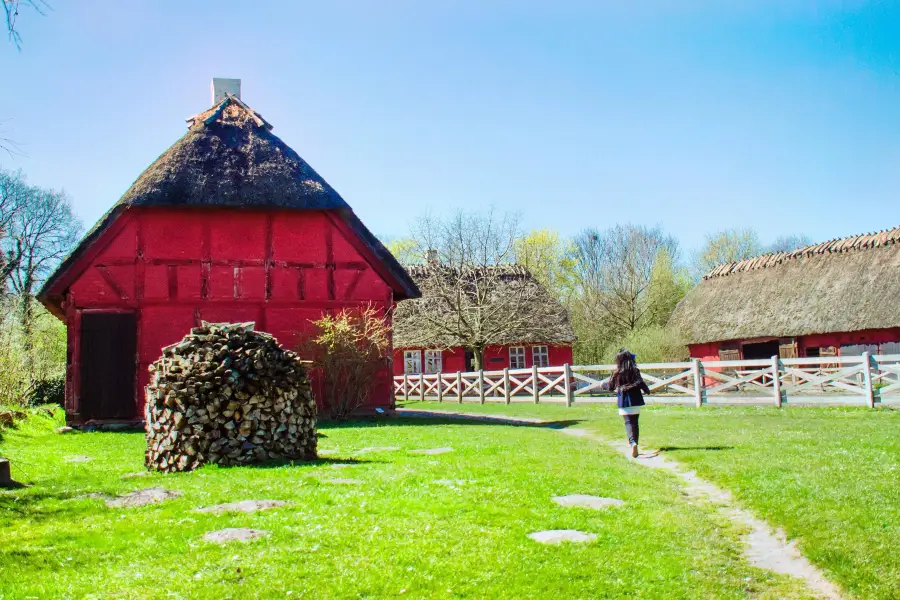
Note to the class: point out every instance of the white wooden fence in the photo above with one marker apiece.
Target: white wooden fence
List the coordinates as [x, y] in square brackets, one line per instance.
[862, 379]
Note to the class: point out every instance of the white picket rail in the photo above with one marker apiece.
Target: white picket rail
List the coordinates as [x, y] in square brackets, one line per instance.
[862, 379]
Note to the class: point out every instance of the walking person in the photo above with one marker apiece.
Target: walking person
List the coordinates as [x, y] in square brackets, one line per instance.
[630, 388]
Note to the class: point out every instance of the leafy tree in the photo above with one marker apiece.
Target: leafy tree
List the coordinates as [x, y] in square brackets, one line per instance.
[549, 259]
[405, 250]
[731, 245]
[668, 285]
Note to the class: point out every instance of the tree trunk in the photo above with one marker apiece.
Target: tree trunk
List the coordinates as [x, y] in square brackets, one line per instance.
[27, 318]
[478, 353]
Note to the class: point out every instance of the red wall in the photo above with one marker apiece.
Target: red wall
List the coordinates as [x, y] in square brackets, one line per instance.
[174, 268]
[710, 351]
[453, 360]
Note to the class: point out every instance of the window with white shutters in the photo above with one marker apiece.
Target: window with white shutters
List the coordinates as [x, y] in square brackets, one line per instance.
[540, 357]
[517, 357]
[432, 361]
[412, 362]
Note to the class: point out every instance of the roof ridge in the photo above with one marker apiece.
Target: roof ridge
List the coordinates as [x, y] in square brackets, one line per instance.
[862, 241]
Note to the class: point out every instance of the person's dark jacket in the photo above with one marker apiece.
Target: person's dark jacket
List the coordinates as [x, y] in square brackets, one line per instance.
[628, 394]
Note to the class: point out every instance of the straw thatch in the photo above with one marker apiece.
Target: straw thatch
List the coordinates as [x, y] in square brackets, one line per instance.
[515, 309]
[230, 158]
[843, 285]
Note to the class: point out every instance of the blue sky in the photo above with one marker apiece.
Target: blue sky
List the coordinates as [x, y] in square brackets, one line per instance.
[782, 115]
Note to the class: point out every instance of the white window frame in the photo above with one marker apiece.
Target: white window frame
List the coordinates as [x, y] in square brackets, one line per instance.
[540, 356]
[433, 362]
[517, 357]
[412, 362]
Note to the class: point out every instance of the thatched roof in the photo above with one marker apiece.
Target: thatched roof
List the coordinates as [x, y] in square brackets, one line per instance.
[540, 318]
[230, 158]
[847, 284]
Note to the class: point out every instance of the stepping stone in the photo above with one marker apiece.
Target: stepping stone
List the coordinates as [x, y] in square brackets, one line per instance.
[587, 501]
[558, 536]
[142, 498]
[64, 430]
[234, 534]
[432, 451]
[246, 506]
[77, 459]
[341, 481]
[134, 475]
[377, 449]
[341, 466]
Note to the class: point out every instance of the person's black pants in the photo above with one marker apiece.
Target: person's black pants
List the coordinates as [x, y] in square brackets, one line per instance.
[631, 428]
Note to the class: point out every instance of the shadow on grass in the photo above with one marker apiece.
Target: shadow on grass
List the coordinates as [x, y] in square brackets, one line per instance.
[300, 464]
[704, 448]
[432, 419]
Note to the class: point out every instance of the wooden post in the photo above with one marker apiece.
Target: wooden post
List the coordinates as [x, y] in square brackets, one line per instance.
[481, 385]
[422, 387]
[506, 384]
[406, 387]
[867, 379]
[459, 387]
[776, 380]
[567, 383]
[698, 382]
[534, 384]
[440, 389]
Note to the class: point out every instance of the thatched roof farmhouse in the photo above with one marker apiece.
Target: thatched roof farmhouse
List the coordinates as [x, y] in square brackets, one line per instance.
[528, 326]
[837, 297]
[228, 224]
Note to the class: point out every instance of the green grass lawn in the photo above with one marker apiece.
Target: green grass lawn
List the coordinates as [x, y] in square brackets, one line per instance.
[830, 477]
[402, 531]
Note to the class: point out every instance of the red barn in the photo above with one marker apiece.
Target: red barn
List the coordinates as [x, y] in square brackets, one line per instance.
[539, 334]
[229, 224]
[838, 298]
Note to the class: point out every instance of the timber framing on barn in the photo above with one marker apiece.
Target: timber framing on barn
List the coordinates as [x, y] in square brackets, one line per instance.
[540, 333]
[229, 224]
[835, 298]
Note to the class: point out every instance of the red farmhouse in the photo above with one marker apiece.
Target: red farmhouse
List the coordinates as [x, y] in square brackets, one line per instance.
[838, 298]
[542, 335]
[229, 224]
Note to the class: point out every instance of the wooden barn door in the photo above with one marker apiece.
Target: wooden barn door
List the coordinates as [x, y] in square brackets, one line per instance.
[107, 355]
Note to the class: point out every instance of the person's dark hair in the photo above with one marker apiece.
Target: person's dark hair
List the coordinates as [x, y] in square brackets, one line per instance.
[626, 369]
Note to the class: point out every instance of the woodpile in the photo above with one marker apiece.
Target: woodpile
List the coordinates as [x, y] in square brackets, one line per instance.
[227, 394]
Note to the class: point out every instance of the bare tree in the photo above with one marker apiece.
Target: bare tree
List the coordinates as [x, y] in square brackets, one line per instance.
[11, 11]
[472, 293]
[43, 231]
[13, 194]
[614, 270]
[788, 243]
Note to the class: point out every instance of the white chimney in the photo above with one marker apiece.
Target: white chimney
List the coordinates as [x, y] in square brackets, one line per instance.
[221, 86]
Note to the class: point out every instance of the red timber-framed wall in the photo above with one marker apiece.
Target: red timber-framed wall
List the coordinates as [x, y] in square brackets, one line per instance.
[174, 267]
[496, 357]
[876, 341]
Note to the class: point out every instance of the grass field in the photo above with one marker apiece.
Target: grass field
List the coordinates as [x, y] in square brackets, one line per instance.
[452, 525]
[829, 476]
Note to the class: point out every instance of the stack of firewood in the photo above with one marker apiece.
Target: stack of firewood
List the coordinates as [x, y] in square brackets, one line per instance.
[227, 394]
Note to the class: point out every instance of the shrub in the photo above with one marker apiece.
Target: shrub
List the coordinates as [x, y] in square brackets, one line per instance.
[650, 345]
[352, 350]
[48, 391]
